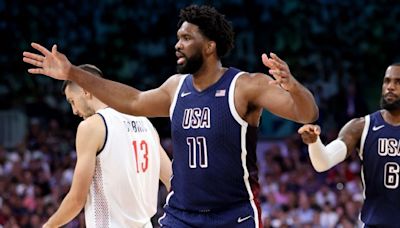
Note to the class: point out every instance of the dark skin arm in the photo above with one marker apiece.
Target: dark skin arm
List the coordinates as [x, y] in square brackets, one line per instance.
[350, 133]
[282, 95]
[126, 99]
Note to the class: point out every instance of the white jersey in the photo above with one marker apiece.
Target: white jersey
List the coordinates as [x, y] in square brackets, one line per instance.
[124, 189]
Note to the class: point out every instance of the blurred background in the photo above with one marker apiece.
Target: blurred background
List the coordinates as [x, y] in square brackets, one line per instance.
[338, 49]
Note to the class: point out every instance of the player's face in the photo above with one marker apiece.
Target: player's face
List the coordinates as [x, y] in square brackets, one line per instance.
[189, 49]
[390, 99]
[78, 101]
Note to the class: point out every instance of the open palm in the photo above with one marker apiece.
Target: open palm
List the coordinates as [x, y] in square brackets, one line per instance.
[53, 64]
[279, 70]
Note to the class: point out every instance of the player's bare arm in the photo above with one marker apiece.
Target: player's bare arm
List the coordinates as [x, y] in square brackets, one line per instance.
[351, 133]
[89, 139]
[284, 96]
[165, 169]
[165, 164]
[126, 99]
[121, 97]
[324, 157]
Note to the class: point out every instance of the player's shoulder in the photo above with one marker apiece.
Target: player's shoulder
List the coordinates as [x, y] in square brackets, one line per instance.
[175, 78]
[172, 82]
[247, 78]
[94, 123]
[354, 126]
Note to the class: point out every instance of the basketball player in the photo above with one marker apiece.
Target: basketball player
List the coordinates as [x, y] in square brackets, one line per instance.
[118, 165]
[214, 111]
[377, 136]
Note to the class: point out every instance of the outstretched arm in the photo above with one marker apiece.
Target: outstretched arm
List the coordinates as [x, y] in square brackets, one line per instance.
[325, 157]
[89, 138]
[123, 98]
[284, 96]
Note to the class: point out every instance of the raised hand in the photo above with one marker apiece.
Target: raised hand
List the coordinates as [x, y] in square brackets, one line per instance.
[309, 133]
[53, 64]
[279, 70]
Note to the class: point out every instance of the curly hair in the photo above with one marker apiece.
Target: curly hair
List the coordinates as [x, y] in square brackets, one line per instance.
[212, 24]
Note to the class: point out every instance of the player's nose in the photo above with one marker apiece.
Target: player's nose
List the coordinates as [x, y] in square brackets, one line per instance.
[178, 46]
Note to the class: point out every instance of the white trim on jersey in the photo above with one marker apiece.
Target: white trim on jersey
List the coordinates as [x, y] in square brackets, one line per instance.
[364, 136]
[244, 124]
[361, 152]
[173, 103]
[231, 100]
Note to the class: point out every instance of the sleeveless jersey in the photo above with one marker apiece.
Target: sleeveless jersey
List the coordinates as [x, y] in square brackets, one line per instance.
[214, 149]
[380, 157]
[124, 189]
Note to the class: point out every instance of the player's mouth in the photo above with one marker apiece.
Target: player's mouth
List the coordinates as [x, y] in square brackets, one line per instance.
[390, 96]
[181, 58]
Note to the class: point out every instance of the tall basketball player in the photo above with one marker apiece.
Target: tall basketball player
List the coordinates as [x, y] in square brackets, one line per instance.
[377, 137]
[214, 111]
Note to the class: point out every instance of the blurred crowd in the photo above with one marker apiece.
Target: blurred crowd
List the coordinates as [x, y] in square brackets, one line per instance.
[338, 49]
[37, 174]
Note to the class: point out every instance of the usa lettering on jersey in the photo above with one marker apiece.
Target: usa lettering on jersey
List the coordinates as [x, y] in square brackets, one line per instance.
[196, 118]
[388, 147]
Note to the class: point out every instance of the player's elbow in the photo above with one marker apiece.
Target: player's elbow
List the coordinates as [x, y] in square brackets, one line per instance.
[311, 116]
[320, 169]
[320, 166]
[314, 115]
[78, 200]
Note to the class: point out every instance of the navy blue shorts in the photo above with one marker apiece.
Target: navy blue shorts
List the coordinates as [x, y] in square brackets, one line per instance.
[240, 216]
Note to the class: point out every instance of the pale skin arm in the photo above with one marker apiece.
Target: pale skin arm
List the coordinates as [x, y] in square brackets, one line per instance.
[165, 164]
[284, 96]
[165, 169]
[350, 133]
[126, 99]
[89, 139]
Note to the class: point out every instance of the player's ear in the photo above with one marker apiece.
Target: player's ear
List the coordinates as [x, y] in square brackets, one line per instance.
[86, 93]
[211, 47]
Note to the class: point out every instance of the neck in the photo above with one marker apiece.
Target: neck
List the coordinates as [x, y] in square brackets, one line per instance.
[97, 105]
[207, 75]
[392, 117]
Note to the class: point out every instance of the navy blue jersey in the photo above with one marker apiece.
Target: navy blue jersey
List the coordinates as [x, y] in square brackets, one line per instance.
[380, 156]
[214, 149]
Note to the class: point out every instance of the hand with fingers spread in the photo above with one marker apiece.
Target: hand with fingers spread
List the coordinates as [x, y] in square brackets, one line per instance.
[279, 70]
[53, 64]
[309, 133]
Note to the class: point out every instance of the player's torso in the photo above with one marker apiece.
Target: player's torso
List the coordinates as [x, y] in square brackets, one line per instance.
[125, 185]
[213, 148]
[380, 156]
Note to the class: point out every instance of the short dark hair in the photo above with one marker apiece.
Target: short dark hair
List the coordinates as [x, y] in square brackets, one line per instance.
[86, 67]
[212, 24]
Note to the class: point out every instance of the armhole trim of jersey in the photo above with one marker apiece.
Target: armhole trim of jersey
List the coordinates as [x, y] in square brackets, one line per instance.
[106, 137]
[364, 136]
[178, 88]
[231, 100]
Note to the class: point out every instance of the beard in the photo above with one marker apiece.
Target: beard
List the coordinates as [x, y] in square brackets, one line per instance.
[390, 106]
[191, 65]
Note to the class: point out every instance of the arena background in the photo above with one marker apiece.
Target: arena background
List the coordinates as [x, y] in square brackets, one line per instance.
[338, 49]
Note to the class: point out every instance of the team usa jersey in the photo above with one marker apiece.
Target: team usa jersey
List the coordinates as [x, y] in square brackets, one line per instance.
[124, 189]
[214, 149]
[380, 156]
